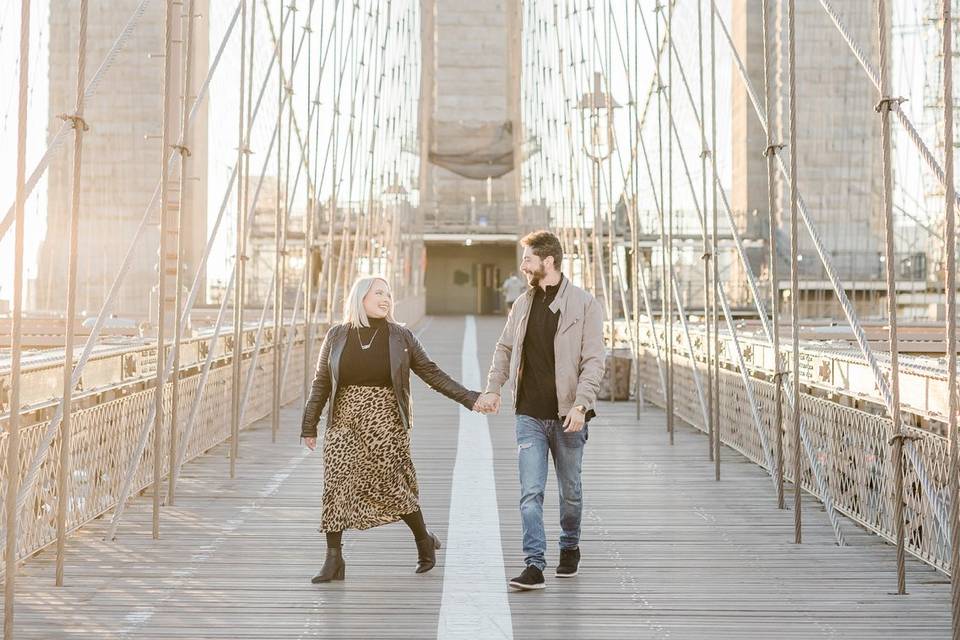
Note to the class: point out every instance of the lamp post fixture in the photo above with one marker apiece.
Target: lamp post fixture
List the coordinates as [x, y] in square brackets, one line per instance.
[596, 116]
[395, 201]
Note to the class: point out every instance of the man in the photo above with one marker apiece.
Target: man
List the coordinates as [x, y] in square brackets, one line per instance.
[512, 288]
[552, 348]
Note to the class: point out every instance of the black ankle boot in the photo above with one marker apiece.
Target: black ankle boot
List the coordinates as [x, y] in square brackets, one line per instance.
[427, 553]
[333, 567]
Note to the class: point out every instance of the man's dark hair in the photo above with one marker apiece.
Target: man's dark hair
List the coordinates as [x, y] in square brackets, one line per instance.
[544, 244]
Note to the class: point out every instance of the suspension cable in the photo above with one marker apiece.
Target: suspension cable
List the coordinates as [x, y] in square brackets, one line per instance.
[91, 90]
[79, 128]
[951, 311]
[13, 422]
[884, 107]
[794, 271]
[772, 148]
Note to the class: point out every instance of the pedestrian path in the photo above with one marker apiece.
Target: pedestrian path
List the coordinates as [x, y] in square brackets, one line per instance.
[667, 552]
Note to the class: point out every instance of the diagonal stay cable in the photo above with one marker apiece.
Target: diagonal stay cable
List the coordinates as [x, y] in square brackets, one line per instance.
[51, 429]
[849, 311]
[91, 90]
[912, 133]
[141, 445]
[815, 466]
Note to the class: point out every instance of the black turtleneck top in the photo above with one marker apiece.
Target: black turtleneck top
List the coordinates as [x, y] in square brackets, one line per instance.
[537, 395]
[367, 367]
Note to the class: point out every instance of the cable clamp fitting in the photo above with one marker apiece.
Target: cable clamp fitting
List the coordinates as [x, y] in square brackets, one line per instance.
[75, 120]
[889, 104]
[779, 376]
[773, 149]
[902, 436]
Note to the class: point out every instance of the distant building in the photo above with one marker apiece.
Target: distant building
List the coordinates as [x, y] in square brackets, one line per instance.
[470, 128]
[121, 159]
[838, 142]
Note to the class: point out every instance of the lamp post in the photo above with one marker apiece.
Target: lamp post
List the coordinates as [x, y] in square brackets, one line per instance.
[596, 116]
[395, 196]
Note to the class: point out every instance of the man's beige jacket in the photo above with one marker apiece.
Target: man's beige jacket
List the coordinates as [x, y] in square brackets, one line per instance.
[577, 346]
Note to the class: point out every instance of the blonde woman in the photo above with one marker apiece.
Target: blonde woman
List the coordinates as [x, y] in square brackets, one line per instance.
[363, 373]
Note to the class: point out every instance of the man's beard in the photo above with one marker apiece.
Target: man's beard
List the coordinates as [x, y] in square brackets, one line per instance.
[534, 277]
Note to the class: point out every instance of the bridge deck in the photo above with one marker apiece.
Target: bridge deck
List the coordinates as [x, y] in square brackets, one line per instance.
[667, 551]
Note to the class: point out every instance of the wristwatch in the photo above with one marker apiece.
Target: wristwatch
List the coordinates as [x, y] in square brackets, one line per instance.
[582, 409]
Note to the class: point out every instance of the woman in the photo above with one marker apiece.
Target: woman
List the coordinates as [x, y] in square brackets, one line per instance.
[364, 371]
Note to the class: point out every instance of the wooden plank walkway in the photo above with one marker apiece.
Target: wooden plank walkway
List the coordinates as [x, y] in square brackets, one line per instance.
[667, 552]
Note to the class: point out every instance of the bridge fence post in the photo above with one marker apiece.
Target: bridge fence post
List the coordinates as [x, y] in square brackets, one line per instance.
[794, 273]
[161, 373]
[178, 327]
[951, 311]
[243, 179]
[13, 424]
[708, 255]
[885, 106]
[79, 127]
[773, 147]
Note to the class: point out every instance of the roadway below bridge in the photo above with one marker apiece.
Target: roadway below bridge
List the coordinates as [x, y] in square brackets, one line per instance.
[667, 551]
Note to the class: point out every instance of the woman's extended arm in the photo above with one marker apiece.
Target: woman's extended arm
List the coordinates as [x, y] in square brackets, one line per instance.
[319, 391]
[429, 372]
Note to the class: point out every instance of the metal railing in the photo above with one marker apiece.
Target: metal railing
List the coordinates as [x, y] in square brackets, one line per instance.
[104, 436]
[850, 445]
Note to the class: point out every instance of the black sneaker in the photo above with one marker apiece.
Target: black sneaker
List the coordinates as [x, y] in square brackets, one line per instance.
[531, 578]
[569, 563]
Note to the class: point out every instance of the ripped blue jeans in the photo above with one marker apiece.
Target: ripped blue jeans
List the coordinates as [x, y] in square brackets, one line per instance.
[535, 439]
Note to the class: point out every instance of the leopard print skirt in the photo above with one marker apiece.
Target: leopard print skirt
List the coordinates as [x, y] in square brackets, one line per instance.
[368, 475]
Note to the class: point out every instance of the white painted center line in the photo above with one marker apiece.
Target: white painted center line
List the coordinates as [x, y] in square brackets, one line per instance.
[474, 601]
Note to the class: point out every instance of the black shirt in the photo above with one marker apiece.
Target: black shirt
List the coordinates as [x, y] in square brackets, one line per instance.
[537, 393]
[368, 367]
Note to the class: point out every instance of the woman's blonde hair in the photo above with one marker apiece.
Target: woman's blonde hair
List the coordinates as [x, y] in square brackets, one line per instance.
[353, 312]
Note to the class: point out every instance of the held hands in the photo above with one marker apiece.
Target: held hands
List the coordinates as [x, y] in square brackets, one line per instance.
[487, 403]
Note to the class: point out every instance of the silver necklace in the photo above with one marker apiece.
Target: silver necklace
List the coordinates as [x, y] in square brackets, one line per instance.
[369, 344]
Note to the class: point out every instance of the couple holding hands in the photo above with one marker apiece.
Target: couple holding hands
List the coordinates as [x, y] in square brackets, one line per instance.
[552, 349]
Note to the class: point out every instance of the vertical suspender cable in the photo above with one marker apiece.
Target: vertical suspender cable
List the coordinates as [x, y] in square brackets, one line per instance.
[634, 211]
[714, 289]
[161, 270]
[55, 140]
[53, 425]
[950, 242]
[664, 266]
[611, 230]
[13, 424]
[772, 148]
[279, 214]
[183, 148]
[333, 274]
[308, 226]
[671, 371]
[238, 263]
[707, 251]
[794, 276]
[79, 127]
[885, 106]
